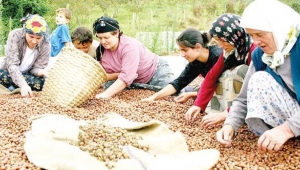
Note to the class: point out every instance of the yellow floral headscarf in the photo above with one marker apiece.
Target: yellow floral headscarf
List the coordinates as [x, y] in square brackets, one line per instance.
[36, 25]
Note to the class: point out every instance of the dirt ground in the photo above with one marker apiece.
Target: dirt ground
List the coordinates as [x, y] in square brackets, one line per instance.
[15, 112]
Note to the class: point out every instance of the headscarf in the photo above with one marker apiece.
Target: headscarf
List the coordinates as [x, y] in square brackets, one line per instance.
[105, 24]
[35, 24]
[227, 27]
[279, 19]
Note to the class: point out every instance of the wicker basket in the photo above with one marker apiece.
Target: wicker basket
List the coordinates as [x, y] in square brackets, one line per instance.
[74, 77]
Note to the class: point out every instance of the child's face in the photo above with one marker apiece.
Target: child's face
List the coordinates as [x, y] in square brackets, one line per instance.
[61, 19]
[85, 47]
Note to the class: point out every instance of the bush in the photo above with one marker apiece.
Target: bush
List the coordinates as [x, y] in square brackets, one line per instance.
[14, 10]
[296, 6]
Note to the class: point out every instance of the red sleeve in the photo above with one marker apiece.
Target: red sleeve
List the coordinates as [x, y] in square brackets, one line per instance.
[209, 84]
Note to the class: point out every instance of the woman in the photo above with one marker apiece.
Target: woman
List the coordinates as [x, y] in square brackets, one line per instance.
[27, 54]
[270, 97]
[127, 62]
[193, 46]
[82, 39]
[236, 57]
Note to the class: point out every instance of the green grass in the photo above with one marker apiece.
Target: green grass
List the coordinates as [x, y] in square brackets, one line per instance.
[155, 16]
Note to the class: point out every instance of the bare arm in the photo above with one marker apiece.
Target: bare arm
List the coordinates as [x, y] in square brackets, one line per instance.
[193, 94]
[184, 97]
[115, 88]
[112, 76]
[166, 91]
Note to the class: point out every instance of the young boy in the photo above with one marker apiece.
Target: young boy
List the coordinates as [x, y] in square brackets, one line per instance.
[60, 37]
[82, 39]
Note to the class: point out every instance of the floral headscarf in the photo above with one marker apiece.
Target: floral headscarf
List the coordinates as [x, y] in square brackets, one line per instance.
[278, 18]
[227, 27]
[36, 25]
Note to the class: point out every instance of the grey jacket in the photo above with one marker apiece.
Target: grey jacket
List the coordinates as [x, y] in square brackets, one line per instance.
[14, 53]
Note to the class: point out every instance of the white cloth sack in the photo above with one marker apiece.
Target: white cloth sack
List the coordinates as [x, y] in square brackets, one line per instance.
[49, 145]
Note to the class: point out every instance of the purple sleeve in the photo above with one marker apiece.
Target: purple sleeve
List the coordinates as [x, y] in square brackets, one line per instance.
[130, 62]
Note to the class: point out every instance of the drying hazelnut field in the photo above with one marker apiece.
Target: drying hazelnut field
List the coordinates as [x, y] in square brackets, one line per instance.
[15, 112]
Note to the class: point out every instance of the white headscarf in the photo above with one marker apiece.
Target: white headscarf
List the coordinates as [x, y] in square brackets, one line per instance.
[278, 18]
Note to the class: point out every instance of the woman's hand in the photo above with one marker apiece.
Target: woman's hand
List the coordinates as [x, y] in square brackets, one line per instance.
[213, 119]
[43, 73]
[26, 91]
[149, 99]
[182, 98]
[102, 96]
[192, 113]
[225, 135]
[273, 139]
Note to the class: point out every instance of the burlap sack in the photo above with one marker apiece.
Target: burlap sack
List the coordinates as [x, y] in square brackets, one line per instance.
[195, 160]
[49, 145]
[155, 133]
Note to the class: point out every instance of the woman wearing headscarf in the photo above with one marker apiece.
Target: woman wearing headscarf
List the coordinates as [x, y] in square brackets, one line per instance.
[128, 63]
[270, 96]
[234, 61]
[27, 54]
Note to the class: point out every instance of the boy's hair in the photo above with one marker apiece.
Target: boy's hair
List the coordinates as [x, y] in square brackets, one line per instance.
[82, 34]
[67, 13]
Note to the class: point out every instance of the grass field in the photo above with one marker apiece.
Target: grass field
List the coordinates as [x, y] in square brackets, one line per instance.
[149, 17]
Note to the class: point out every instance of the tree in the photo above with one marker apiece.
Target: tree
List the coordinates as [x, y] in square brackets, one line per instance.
[14, 10]
[1, 32]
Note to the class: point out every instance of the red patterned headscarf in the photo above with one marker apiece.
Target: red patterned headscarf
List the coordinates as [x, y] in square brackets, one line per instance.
[227, 27]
